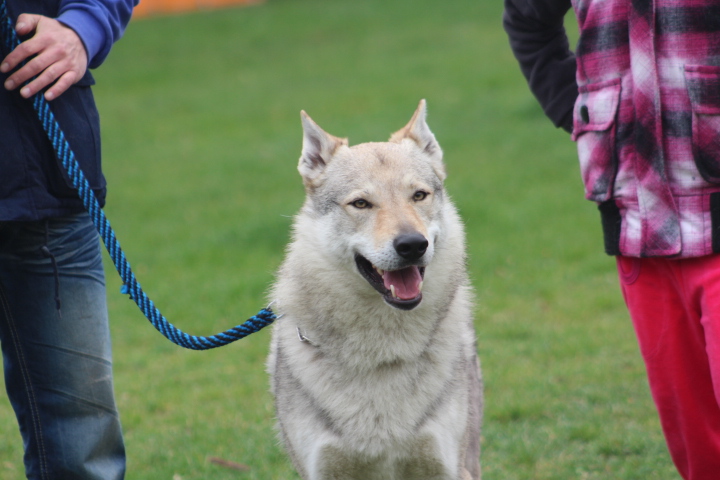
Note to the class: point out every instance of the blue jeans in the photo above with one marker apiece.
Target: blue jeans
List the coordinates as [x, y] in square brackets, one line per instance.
[56, 349]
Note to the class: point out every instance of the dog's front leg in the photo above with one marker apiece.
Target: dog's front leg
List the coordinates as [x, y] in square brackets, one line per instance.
[335, 462]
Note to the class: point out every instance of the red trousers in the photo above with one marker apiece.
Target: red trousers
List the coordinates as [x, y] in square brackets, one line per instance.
[675, 308]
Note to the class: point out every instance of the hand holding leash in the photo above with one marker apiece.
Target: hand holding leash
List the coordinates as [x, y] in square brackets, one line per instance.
[65, 155]
[55, 55]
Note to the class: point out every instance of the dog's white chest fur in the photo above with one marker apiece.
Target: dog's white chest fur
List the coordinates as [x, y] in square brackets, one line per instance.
[373, 362]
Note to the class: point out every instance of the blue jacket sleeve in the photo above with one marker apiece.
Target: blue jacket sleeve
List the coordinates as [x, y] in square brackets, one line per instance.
[540, 44]
[98, 23]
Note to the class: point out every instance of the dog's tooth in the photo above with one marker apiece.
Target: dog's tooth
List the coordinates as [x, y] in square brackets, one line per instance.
[392, 291]
[379, 270]
[420, 286]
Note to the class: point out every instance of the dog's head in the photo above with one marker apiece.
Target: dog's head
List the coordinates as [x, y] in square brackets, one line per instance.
[378, 205]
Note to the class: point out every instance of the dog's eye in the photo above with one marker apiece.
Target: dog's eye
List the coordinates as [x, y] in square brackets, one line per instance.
[361, 203]
[420, 196]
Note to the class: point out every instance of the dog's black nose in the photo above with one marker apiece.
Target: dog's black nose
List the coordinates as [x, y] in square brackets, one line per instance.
[410, 246]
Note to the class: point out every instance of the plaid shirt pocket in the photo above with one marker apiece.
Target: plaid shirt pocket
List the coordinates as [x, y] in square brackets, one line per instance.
[703, 85]
[594, 131]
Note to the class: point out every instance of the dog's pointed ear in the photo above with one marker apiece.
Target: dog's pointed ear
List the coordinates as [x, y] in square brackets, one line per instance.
[418, 131]
[317, 150]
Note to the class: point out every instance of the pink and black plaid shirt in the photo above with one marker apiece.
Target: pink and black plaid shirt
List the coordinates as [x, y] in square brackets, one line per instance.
[646, 114]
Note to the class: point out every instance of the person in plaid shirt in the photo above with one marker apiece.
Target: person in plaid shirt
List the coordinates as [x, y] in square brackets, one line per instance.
[641, 97]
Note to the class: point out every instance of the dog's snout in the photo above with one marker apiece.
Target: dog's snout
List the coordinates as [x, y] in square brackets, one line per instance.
[410, 246]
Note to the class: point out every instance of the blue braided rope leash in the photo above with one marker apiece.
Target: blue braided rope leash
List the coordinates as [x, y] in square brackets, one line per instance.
[131, 286]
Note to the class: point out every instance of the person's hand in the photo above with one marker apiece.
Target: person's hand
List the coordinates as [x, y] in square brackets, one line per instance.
[60, 57]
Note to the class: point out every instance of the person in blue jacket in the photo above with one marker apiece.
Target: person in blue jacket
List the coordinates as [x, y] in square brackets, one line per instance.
[53, 316]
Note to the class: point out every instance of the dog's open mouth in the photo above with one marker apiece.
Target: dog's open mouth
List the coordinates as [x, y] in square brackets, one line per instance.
[400, 288]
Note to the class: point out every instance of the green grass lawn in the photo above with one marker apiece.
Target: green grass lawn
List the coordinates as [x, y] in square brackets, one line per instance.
[201, 136]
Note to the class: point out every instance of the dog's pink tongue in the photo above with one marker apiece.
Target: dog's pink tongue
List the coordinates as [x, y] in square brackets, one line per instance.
[406, 281]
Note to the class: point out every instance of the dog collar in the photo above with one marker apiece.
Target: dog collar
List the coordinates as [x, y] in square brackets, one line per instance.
[304, 339]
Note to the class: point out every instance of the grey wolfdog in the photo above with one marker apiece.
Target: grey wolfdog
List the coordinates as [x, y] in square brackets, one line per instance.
[373, 364]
